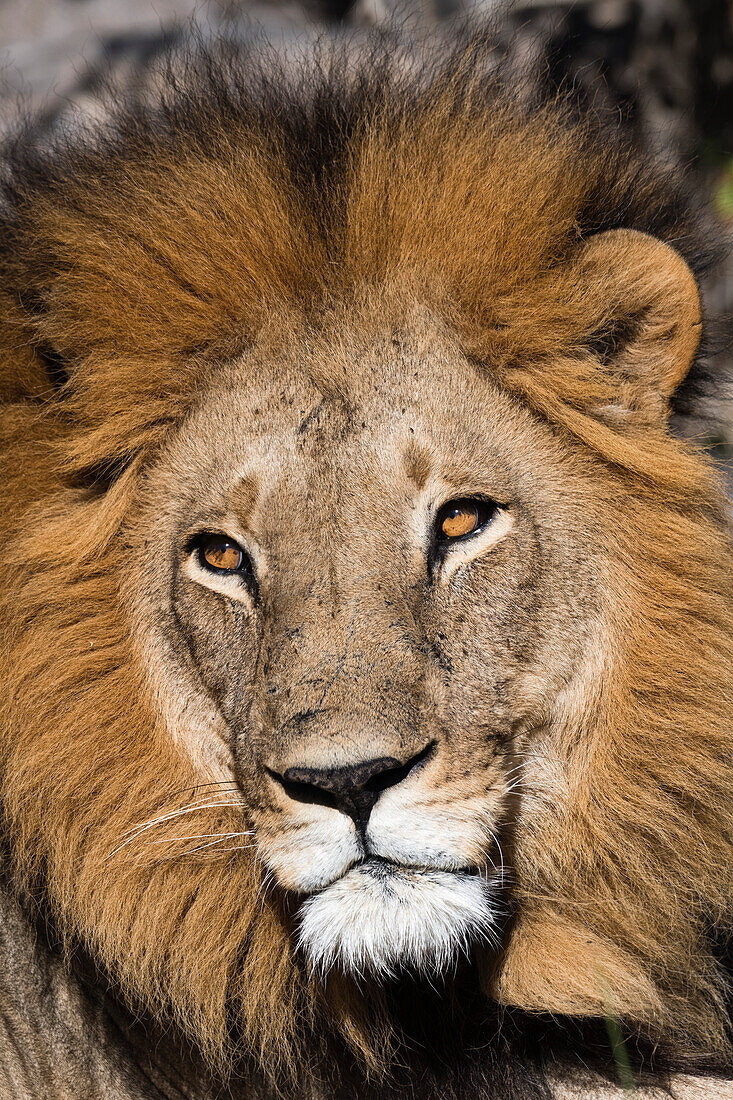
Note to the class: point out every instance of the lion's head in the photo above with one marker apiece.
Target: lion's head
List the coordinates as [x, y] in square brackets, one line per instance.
[360, 609]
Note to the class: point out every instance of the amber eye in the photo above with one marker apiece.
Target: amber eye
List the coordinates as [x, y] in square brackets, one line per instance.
[220, 554]
[460, 518]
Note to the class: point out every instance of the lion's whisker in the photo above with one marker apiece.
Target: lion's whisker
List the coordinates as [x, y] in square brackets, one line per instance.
[264, 885]
[265, 880]
[202, 836]
[222, 784]
[199, 848]
[170, 817]
[211, 844]
[189, 852]
[501, 854]
[226, 786]
[201, 804]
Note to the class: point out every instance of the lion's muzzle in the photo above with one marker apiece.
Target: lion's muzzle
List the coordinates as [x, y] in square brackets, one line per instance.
[393, 871]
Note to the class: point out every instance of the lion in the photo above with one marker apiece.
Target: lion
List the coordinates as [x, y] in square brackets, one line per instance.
[366, 650]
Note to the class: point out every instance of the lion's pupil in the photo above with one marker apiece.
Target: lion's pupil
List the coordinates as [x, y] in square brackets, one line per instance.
[460, 521]
[223, 555]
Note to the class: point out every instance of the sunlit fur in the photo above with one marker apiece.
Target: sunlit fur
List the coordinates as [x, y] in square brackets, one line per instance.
[138, 261]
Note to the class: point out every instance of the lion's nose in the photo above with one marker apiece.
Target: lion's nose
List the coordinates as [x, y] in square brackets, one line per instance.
[353, 789]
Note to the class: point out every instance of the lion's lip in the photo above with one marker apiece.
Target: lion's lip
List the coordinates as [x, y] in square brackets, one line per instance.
[381, 867]
[374, 861]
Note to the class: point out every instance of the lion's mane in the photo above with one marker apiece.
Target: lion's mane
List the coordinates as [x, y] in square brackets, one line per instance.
[136, 257]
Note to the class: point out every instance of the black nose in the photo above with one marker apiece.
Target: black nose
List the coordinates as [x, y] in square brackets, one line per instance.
[353, 789]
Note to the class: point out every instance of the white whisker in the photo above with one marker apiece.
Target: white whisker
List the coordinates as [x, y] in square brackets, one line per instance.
[264, 886]
[201, 848]
[202, 804]
[501, 854]
[202, 836]
[144, 827]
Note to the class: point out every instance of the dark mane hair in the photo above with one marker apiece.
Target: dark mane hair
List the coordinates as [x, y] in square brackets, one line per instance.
[245, 162]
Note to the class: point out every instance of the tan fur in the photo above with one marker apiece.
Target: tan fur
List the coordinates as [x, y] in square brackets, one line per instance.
[194, 285]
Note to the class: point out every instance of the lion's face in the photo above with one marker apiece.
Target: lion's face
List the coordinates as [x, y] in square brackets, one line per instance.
[369, 603]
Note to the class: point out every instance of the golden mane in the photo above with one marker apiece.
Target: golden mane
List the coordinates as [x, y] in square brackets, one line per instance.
[132, 262]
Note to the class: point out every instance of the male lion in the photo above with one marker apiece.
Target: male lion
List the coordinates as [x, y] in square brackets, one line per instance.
[367, 648]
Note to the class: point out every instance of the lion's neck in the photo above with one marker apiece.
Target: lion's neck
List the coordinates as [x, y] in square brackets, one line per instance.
[64, 1037]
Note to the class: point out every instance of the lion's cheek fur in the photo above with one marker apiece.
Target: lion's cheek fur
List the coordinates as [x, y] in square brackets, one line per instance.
[552, 965]
[605, 831]
[184, 937]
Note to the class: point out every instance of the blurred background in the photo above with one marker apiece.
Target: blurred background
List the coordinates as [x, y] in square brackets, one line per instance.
[664, 67]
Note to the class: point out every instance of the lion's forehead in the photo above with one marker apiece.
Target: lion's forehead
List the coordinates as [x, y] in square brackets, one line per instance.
[291, 428]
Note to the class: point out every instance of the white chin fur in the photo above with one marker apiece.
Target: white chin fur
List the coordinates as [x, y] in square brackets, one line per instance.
[376, 920]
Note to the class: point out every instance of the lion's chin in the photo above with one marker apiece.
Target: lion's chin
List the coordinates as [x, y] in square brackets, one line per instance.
[379, 919]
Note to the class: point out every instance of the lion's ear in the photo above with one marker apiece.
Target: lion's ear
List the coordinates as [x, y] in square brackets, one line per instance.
[650, 317]
[554, 965]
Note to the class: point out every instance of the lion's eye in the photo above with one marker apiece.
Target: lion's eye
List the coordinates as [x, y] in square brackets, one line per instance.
[228, 568]
[460, 518]
[220, 554]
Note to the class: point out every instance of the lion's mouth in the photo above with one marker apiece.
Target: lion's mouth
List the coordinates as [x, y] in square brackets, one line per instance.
[382, 868]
